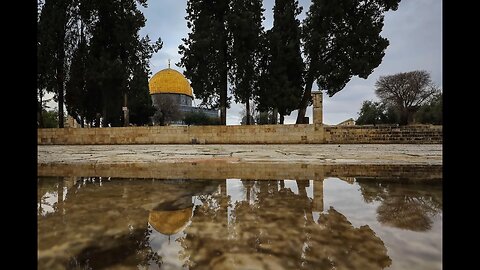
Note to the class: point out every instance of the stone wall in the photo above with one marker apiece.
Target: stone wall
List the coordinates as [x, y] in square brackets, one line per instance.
[255, 134]
[383, 134]
[183, 135]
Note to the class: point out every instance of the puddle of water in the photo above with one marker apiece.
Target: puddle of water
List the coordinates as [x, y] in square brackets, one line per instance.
[334, 223]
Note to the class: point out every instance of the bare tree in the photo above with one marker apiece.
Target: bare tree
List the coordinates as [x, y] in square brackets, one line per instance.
[167, 110]
[406, 91]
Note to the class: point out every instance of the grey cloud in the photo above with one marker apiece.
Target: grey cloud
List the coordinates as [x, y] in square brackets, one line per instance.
[414, 31]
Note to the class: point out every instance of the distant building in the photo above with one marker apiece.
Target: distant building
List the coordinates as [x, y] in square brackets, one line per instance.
[171, 83]
[348, 122]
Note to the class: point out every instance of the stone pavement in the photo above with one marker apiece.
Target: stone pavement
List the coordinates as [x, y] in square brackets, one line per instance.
[344, 154]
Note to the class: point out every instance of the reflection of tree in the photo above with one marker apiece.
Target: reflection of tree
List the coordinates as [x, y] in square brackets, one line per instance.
[47, 187]
[106, 225]
[131, 249]
[338, 245]
[404, 204]
[52, 192]
[274, 227]
[208, 223]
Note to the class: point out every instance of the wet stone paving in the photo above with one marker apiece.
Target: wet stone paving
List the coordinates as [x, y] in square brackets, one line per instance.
[146, 223]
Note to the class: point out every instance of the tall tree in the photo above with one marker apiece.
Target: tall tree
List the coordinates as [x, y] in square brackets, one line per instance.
[117, 59]
[40, 84]
[139, 101]
[76, 89]
[407, 91]
[262, 92]
[205, 52]
[245, 27]
[342, 39]
[53, 25]
[285, 66]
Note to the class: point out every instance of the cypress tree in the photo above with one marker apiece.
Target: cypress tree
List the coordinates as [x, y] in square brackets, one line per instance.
[285, 64]
[52, 31]
[205, 52]
[245, 26]
[113, 67]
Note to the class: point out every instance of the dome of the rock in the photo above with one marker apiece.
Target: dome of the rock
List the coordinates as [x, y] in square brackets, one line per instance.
[170, 222]
[169, 81]
[172, 97]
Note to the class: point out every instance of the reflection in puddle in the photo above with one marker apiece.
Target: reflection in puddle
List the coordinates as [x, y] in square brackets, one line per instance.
[336, 223]
[403, 205]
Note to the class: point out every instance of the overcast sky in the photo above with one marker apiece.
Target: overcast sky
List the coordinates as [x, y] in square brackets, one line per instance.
[414, 32]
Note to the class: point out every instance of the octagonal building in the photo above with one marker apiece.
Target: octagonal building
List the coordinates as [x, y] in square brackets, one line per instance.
[169, 83]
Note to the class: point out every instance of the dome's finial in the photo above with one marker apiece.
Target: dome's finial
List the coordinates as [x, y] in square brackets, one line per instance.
[168, 63]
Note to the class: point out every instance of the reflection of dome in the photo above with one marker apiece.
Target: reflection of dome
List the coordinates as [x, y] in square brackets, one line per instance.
[169, 81]
[170, 222]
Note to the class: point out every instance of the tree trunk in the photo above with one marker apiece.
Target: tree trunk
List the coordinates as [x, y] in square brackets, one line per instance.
[39, 113]
[104, 115]
[162, 119]
[403, 116]
[224, 79]
[301, 186]
[274, 117]
[223, 108]
[410, 115]
[39, 119]
[61, 68]
[97, 120]
[60, 195]
[307, 96]
[305, 201]
[282, 119]
[60, 88]
[248, 111]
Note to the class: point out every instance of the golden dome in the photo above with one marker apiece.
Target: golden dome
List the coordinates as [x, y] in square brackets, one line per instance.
[170, 222]
[169, 81]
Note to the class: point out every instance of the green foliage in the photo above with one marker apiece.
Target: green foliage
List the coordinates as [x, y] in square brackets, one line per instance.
[110, 61]
[205, 52]
[167, 110]
[342, 39]
[245, 27]
[140, 109]
[244, 120]
[50, 118]
[373, 113]
[76, 91]
[200, 118]
[113, 51]
[406, 91]
[262, 118]
[262, 95]
[282, 65]
[54, 36]
[431, 112]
